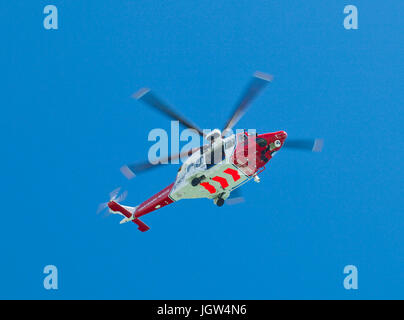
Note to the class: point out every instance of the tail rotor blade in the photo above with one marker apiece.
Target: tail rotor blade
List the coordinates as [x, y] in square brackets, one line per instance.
[101, 207]
[131, 170]
[127, 172]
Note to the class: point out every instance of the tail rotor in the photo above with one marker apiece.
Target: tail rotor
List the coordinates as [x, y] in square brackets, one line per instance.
[113, 196]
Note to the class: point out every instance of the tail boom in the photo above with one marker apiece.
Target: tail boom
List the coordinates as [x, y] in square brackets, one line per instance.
[157, 201]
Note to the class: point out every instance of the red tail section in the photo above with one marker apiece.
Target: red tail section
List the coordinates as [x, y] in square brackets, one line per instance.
[116, 207]
[141, 225]
[158, 201]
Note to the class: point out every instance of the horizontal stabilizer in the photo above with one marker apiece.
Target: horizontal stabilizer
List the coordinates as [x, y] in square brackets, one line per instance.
[128, 213]
[141, 225]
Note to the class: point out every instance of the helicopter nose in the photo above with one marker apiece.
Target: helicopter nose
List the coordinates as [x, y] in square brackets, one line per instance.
[283, 135]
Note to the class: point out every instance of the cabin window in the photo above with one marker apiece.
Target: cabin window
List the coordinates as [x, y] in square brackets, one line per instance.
[229, 143]
[243, 139]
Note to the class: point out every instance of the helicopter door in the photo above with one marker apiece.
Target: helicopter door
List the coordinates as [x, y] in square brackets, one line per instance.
[215, 156]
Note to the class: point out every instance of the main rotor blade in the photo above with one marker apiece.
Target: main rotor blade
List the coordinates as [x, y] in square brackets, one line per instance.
[147, 96]
[130, 170]
[314, 145]
[236, 197]
[256, 84]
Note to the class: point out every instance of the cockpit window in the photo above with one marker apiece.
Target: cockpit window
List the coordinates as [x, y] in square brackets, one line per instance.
[242, 138]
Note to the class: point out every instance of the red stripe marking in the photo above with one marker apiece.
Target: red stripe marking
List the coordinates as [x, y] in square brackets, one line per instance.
[222, 181]
[208, 187]
[233, 173]
[114, 206]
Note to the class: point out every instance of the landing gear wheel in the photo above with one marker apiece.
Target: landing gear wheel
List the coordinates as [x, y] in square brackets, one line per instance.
[220, 202]
[195, 182]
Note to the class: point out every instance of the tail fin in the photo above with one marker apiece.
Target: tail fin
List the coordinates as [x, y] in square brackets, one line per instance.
[128, 213]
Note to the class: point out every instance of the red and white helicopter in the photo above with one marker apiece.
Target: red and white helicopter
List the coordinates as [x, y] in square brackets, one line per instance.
[215, 170]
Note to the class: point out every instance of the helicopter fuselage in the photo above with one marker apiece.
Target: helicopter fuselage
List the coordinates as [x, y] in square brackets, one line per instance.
[216, 171]
[224, 167]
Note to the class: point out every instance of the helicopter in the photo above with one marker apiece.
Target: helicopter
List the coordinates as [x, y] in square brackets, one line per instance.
[215, 170]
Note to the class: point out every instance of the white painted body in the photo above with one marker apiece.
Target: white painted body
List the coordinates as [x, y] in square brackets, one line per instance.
[195, 166]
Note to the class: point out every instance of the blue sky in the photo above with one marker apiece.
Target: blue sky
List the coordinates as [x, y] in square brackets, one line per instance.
[68, 124]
